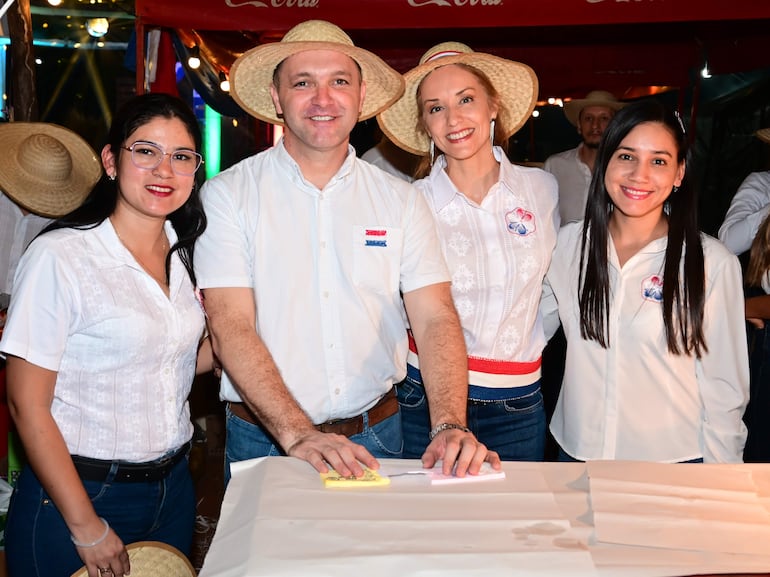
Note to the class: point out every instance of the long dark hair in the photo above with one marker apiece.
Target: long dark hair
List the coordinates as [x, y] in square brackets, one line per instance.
[683, 295]
[189, 220]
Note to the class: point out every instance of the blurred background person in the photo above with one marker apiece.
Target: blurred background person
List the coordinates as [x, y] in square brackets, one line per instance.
[748, 208]
[46, 171]
[391, 159]
[757, 314]
[573, 168]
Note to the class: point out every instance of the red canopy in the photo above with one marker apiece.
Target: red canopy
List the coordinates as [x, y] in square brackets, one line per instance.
[400, 14]
[573, 45]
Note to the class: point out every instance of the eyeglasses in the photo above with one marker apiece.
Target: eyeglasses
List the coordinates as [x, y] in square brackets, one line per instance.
[147, 155]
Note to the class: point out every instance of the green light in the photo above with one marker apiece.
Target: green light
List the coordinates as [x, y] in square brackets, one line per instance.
[212, 142]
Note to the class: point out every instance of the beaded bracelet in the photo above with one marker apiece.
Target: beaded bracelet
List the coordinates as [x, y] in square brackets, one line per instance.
[93, 543]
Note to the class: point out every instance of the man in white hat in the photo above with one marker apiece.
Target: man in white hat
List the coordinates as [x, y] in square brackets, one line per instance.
[307, 254]
[748, 208]
[572, 168]
[46, 171]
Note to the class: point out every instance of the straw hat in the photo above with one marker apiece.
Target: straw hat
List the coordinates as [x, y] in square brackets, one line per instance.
[252, 73]
[153, 559]
[763, 134]
[46, 169]
[516, 83]
[572, 108]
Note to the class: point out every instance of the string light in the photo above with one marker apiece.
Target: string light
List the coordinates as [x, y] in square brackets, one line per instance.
[224, 83]
[194, 60]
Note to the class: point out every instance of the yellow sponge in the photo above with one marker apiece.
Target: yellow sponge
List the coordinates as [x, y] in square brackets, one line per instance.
[369, 479]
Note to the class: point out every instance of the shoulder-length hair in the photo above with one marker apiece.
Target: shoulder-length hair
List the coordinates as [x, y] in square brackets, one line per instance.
[189, 220]
[683, 294]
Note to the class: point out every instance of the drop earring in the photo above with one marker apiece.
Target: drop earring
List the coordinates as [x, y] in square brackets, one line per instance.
[111, 177]
[492, 131]
[432, 151]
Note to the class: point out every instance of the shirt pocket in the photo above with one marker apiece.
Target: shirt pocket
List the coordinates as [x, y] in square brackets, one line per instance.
[377, 258]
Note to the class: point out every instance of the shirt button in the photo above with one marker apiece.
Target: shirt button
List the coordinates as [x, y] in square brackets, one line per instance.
[336, 391]
[326, 294]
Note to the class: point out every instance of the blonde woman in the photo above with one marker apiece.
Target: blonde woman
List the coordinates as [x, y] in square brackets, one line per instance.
[497, 223]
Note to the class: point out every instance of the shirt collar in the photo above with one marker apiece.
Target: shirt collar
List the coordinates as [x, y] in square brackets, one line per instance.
[445, 190]
[295, 172]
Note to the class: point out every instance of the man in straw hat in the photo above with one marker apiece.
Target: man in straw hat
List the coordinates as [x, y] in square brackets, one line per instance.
[317, 246]
[748, 208]
[46, 171]
[573, 168]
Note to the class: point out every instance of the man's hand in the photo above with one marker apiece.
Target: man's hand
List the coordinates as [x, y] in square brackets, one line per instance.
[328, 449]
[460, 452]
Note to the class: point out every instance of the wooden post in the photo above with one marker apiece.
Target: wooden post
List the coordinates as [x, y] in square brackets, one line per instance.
[23, 96]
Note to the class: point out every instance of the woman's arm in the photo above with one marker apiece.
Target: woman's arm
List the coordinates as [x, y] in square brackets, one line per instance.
[723, 372]
[30, 394]
[207, 360]
[758, 309]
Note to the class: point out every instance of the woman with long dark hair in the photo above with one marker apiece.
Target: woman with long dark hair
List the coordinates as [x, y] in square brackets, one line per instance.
[656, 364]
[102, 338]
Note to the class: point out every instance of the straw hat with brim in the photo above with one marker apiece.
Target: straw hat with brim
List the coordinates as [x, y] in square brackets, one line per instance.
[764, 135]
[252, 73]
[572, 108]
[46, 169]
[515, 82]
[153, 559]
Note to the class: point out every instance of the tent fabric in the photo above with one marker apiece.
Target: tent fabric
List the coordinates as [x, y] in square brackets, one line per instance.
[569, 43]
[400, 14]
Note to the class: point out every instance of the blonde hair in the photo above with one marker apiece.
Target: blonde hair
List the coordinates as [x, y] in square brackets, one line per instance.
[759, 257]
[426, 162]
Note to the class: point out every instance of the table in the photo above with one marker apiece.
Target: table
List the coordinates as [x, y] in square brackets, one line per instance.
[603, 518]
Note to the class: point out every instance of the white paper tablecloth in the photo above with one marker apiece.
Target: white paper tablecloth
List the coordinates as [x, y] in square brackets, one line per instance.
[653, 520]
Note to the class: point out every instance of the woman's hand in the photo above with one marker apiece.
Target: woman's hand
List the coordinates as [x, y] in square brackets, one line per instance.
[107, 558]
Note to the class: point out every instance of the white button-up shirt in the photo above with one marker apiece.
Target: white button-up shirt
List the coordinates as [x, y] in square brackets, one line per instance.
[635, 400]
[574, 179]
[124, 353]
[498, 253]
[327, 268]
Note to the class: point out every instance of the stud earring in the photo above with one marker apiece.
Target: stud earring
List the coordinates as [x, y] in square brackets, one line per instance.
[492, 131]
[111, 177]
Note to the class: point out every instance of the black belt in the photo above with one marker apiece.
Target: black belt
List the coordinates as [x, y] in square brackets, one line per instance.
[98, 470]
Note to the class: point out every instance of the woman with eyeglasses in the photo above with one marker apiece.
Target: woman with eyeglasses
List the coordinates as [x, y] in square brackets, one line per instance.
[104, 331]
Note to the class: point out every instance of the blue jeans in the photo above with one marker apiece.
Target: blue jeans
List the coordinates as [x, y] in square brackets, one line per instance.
[514, 428]
[246, 440]
[37, 541]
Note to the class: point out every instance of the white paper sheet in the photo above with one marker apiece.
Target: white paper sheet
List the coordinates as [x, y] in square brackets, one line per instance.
[692, 507]
[296, 527]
